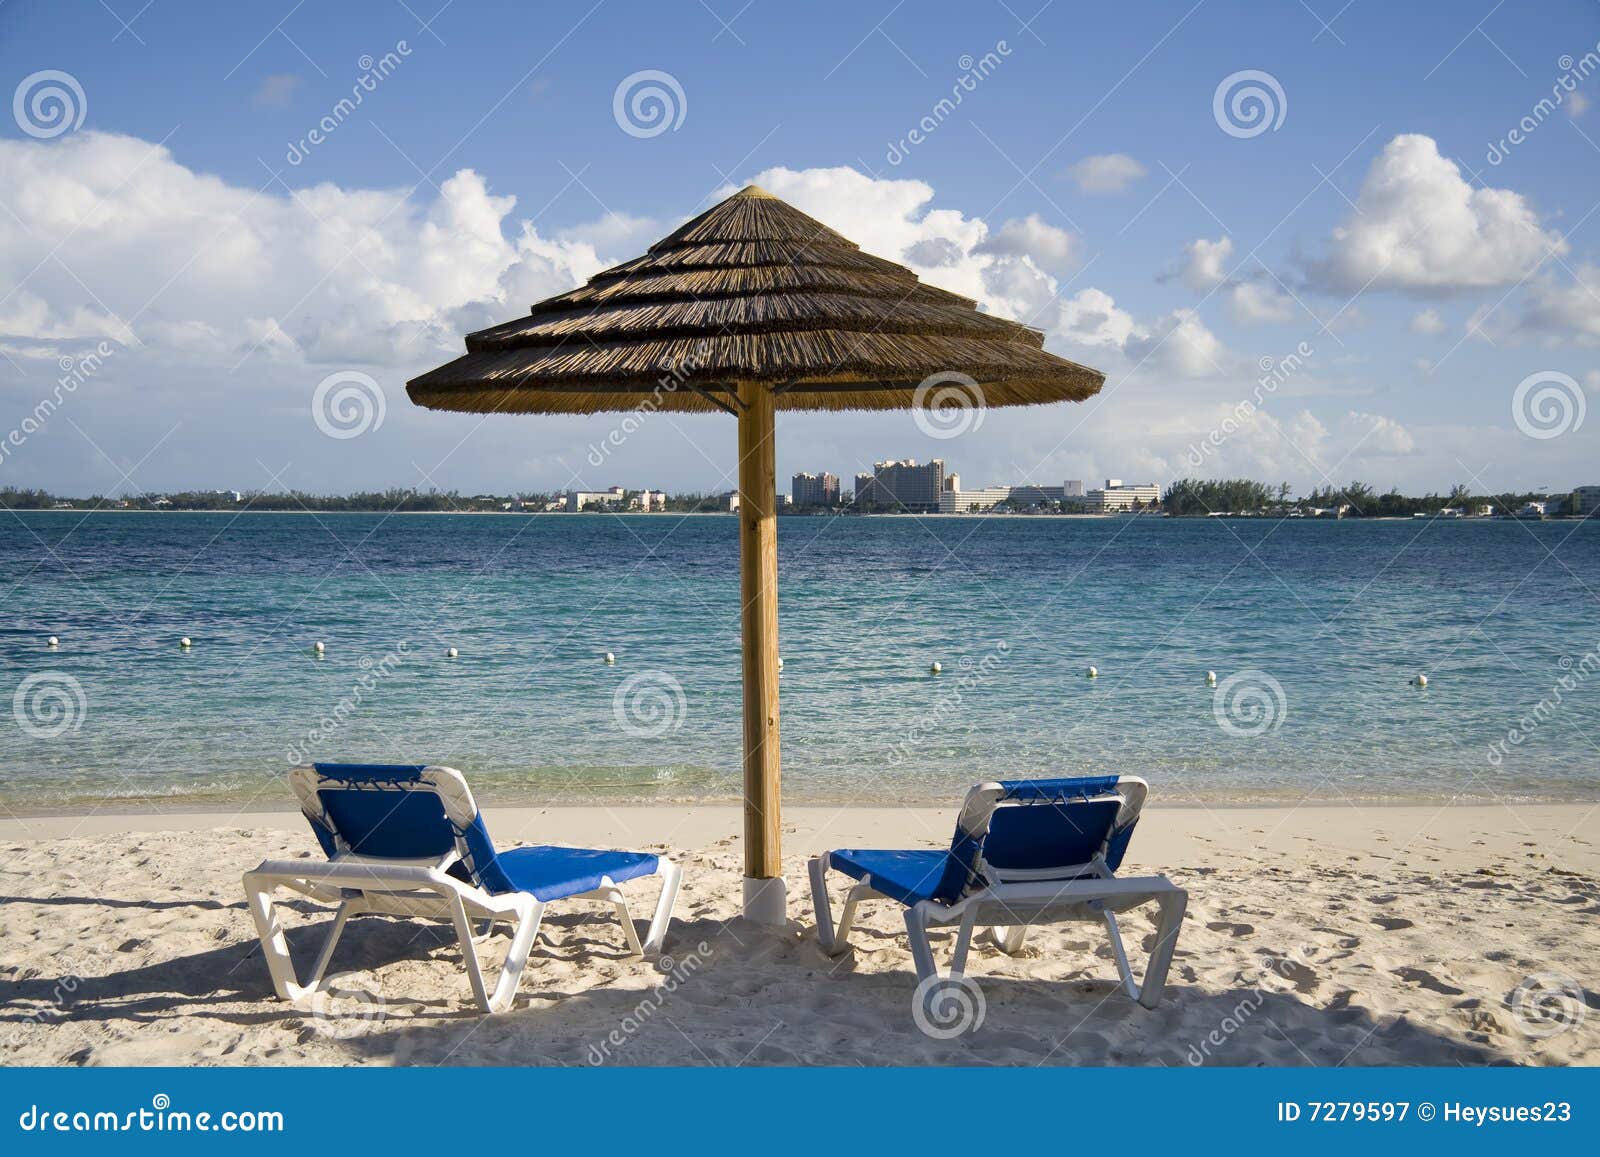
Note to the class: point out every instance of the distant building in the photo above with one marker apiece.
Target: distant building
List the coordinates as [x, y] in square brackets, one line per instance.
[580, 499]
[1585, 500]
[952, 481]
[1073, 488]
[815, 489]
[1117, 497]
[954, 500]
[904, 486]
[652, 500]
[729, 502]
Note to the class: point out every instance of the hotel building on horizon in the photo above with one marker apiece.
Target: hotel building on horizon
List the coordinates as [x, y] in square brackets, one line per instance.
[814, 489]
[903, 486]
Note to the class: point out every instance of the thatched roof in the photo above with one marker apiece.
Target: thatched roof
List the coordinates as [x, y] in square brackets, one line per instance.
[750, 290]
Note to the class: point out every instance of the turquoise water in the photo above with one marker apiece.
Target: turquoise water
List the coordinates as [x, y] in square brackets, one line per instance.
[1314, 629]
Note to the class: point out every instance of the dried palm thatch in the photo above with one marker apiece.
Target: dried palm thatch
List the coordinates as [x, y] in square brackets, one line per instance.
[752, 290]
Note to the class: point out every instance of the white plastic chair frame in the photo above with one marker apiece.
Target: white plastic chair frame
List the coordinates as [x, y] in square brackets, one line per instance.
[423, 889]
[1009, 902]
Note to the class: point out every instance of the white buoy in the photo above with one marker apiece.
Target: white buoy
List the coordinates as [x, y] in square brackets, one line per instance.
[1092, 673]
[317, 647]
[185, 642]
[52, 641]
[936, 668]
[780, 662]
[610, 658]
[451, 653]
[1211, 678]
[1420, 681]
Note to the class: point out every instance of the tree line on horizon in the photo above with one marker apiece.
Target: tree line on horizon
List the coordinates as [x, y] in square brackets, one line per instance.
[1187, 497]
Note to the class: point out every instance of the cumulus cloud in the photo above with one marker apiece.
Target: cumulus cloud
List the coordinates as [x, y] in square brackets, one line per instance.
[1205, 263]
[277, 90]
[1031, 236]
[1428, 322]
[116, 238]
[1578, 104]
[1566, 310]
[1179, 343]
[1421, 226]
[1253, 302]
[1106, 172]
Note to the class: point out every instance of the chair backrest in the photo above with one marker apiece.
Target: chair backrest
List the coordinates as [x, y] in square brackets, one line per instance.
[1042, 829]
[401, 812]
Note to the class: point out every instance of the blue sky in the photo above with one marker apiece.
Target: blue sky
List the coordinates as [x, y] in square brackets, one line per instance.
[1084, 183]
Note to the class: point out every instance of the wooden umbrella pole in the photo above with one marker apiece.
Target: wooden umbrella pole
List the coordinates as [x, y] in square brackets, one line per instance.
[758, 589]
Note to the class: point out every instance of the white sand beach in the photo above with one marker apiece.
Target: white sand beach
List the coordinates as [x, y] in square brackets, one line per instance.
[1326, 936]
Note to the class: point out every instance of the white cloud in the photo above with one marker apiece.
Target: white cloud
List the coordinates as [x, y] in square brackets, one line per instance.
[1421, 226]
[1578, 104]
[1566, 310]
[1252, 302]
[1031, 236]
[1591, 381]
[1179, 343]
[1429, 322]
[277, 90]
[1091, 318]
[1205, 262]
[1106, 172]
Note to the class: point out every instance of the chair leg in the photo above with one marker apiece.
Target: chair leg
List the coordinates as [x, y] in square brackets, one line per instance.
[958, 960]
[326, 955]
[847, 919]
[1130, 986]
[921, 950]
[274, 946]
[505, 989]
[1009, 940]
[1173, 904]
[620, 905]
[469, 952]
[671, 880]
[827, 940]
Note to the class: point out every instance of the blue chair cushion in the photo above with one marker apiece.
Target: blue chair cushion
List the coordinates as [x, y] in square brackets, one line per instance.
[909, 877]
[551, 873]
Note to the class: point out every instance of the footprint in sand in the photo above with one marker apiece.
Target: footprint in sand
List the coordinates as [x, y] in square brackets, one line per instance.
[1425, 979]
[1231, 928]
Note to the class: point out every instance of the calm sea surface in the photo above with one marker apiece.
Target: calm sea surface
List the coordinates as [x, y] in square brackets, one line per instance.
[1314, 629]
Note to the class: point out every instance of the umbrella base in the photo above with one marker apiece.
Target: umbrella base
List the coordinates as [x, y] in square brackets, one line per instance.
[765, 900]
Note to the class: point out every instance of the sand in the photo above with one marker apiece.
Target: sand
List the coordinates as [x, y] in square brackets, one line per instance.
[1324, 936]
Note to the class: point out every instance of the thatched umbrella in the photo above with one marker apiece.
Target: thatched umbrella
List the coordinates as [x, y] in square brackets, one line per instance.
[750, 308]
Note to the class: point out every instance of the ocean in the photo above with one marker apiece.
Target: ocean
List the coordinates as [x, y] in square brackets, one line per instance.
[1315, 630]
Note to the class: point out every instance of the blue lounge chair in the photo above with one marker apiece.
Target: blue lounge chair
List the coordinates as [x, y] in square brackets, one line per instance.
[407, 840]
[1025, 852]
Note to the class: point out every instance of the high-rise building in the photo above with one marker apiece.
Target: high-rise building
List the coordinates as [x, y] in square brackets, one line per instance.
[815, 489]
[903, 486]
[1073, 488]
[1585, 500]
